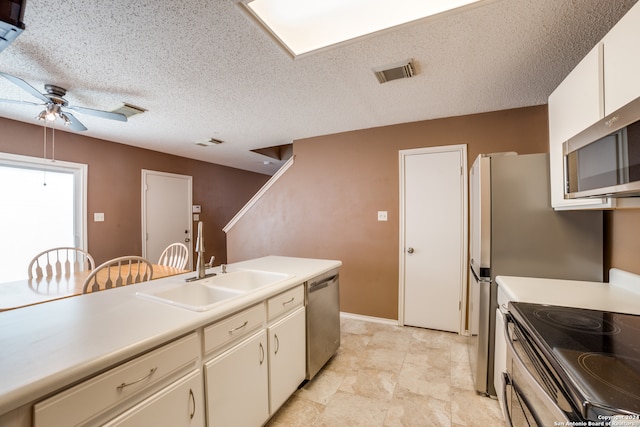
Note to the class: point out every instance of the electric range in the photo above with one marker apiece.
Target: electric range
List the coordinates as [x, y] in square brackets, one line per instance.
[592, 356]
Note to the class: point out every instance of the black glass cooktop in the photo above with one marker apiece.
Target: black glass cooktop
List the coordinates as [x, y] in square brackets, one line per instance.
[596, 353]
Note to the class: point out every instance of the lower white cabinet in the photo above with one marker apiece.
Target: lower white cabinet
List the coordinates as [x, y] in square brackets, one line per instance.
[178, 405]
[105, 397]
[287, 362]
[237, 384]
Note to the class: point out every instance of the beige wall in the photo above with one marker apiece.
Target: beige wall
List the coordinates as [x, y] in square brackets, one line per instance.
[326, 205]
[114, 187]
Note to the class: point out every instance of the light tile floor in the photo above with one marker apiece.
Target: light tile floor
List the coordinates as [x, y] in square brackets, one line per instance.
[390, 376]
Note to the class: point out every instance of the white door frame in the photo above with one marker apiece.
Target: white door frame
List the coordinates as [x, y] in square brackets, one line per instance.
[462, 149]
[145, 174]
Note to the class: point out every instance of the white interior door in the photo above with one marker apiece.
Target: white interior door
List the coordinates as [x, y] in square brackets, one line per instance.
[166, 213]
[433, 237]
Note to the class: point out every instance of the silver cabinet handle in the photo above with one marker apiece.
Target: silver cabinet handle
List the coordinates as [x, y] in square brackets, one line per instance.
[410, 250]
[277, 344]
[289, 302]
[123, 385]
[239, 327]
[193, 401]
[261, 354]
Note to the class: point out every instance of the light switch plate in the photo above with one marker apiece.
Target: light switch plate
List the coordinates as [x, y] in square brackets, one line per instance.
[98, 216]
[382, 215]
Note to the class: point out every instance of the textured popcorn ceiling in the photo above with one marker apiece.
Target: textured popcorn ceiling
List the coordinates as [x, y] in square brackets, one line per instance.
[205, 70]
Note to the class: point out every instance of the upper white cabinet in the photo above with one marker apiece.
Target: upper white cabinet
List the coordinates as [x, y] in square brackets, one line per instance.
[605, 80]
[576, 104]
[622, 62]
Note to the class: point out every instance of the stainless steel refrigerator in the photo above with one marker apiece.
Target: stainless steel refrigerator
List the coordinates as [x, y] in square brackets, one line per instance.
[515, 232]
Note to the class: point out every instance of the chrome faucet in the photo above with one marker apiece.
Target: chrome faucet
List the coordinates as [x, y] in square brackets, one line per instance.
[200, 250]
[201, 266]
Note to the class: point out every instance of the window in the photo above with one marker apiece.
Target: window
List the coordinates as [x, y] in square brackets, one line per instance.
[42, 205]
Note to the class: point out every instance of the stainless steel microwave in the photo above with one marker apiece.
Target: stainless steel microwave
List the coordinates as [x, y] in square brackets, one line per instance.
[604, 159]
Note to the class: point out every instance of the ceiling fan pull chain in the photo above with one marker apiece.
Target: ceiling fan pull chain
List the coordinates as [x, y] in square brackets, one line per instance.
[53, 142]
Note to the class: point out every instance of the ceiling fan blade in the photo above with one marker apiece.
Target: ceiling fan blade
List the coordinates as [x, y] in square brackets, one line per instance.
[16, 101]
[25, 86]
[99, 113]
[74, 123]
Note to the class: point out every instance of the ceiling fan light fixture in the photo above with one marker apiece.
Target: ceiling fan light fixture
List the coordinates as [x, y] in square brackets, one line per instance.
[64, 117]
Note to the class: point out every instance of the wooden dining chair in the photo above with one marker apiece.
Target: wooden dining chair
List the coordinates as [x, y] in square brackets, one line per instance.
[61, 261]
[175, 255]
[118, 272]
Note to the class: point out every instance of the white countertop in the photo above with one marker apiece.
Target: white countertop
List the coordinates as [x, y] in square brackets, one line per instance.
[621, 294]
[47, 346]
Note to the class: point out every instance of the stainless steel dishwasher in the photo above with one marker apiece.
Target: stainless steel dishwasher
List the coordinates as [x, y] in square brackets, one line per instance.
[323, 320]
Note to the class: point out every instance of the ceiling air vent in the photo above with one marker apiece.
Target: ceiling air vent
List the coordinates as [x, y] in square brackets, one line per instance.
[401, 70]
[129, 110]
[209, 142]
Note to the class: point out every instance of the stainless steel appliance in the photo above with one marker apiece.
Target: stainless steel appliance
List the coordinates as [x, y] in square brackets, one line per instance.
[571, 366]
[323, 320]
[515, 232]
[604, 159]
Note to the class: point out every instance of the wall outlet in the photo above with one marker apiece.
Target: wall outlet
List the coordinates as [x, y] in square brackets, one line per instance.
[382, 215]
[98, 217]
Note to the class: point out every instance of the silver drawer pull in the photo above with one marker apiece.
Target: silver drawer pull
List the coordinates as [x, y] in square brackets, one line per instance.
[123, 385]
[290, 301]
[239, 327]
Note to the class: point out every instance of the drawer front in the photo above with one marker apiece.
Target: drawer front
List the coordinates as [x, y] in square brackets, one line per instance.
[106, 390]
[234, 327]
[285, 302]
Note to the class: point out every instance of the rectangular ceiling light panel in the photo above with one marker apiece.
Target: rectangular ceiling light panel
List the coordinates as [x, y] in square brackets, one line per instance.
[307, 25]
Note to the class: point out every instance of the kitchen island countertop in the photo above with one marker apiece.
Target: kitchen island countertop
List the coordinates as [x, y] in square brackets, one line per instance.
[48, 346]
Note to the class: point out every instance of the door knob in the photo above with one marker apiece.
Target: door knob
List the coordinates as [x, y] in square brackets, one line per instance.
[410, 250]
[187, 240]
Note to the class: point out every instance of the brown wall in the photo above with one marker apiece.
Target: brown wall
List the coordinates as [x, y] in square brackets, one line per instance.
[114, 180]
[622, 239]
[326, 205]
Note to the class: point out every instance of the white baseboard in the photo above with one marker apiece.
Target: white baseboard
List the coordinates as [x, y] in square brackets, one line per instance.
[369, 318]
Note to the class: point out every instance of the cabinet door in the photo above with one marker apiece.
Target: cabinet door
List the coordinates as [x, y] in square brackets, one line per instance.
[287, 363]
[576, 104]
[237, 384]
[622, 62]
[181, 404]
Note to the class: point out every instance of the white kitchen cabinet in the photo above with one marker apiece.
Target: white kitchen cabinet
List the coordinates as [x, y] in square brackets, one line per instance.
[576, 104]
[179, 405]
[114, 392]
[237, 384]
[622, 62]
[287, 362]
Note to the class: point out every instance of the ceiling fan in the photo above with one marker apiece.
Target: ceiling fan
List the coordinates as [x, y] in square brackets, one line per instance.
[55, 106]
